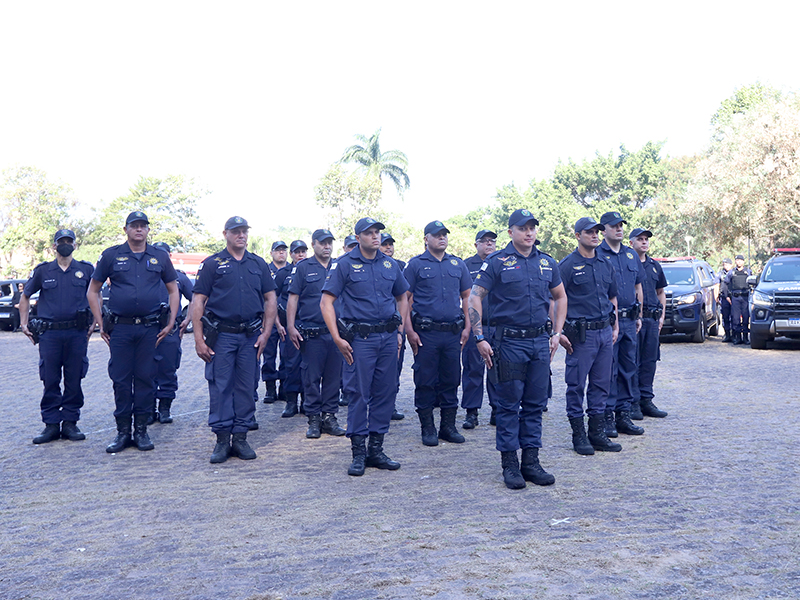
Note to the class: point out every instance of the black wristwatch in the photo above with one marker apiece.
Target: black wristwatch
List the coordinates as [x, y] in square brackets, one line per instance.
[479, 338]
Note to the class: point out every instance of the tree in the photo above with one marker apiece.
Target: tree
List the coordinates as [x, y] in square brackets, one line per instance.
[347, 197]
[744, 100]
[392, 164]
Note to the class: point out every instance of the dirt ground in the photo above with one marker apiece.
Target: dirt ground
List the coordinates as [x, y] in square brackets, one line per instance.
[704, 505]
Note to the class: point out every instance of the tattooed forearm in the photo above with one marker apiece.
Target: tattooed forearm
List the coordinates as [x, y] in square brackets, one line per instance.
[475, 298]
[475, 322]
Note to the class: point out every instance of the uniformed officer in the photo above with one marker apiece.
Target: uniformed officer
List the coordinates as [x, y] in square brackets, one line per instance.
[373, 309]
[321, 365]
[387, 247]
[348, 369]
[519, 280]
[63, 326]
[289, 372]
[269, 370]
[135, 325]
[234, 302]
[350, 242]
[724, 299]
[629, 276]
[736, 281]
[654, 305]
[472, 364]
[168, 353]
[591, 288]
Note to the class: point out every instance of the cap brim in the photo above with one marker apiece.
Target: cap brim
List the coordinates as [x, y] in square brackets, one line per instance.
[526, 220]
[646, 232]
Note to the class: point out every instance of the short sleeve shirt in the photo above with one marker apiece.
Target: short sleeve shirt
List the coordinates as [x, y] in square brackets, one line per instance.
[306, 283]
[653, 280]
[628, 270]
[62, 294]
[437, 286]
[184, 287]
[590, 284]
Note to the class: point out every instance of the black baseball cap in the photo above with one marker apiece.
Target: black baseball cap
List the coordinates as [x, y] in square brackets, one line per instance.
[366, 223]
[320, 235]
[435, 227]
[298, 245]
[586, 224]
[739, 257]
[235, 222]
[612, 218]
[64, 233]
[135, 216]
[727, 261]
[350, 240]
[386, 237]
[521, 216]
[163, 246]
[636, 232]
[485, 233]
[278, 244]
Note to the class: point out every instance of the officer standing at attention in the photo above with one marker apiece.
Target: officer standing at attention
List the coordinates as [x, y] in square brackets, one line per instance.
[136, 324]
[519, 281]
[471, 362]
[629, 276]
[289, 372]
[321, 365]
[590, 284]
[387, 247]
[350, 242]
[724, 298]
[168, 353]
[736, 281]
[63, 326]
[439, 286]
[234, 307]
[373, 306]
[348, 369]
[655, 302]
[269, 370]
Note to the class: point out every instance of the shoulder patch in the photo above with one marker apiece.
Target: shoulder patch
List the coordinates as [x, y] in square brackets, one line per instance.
[483, 267]
[334, 265]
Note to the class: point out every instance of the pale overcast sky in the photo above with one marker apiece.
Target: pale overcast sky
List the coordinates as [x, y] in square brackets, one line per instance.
[257, 99]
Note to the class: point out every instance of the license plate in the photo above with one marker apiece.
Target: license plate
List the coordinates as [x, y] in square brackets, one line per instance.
[794, 322]
[5, 315]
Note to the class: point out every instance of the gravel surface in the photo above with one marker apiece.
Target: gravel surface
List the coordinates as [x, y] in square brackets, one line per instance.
[704, 505]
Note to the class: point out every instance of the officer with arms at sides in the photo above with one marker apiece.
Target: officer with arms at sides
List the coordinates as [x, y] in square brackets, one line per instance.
[348, 370]
[724, 298]
[519, 280]
[269, 370]
[321, 364]
[368, 333]
[471, 361]
[168, 353]
[289, 372]
[439, 287]
[736, 282]
[589, 336]
[350, 242]
[233, 310]
[387, 247]
[62, 328]
[655, 301]
[135, 324]
[629, 276]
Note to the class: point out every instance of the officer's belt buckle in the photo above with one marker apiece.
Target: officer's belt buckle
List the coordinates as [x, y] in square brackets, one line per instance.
[137, 320]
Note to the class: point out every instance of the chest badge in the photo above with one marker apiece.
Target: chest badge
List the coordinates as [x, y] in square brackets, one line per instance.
[387, 264]
[544, 262]
[512, 260]
[79, 274]
[122, 258]
[578, 267]
[629, 255]
[153, 261]
[453, 261]
[357, 265]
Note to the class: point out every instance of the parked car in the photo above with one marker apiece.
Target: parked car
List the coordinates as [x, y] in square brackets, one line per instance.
[9, 316]
[775, 301]
[692, 308]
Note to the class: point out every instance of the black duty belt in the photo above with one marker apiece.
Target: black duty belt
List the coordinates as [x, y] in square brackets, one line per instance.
[146, 321]
[313, 332]
[234, 326]
[740, 293]
[367, 328]
[523, 332]
[631, 312]
[60, 325]
[602, 324]
[651, 313]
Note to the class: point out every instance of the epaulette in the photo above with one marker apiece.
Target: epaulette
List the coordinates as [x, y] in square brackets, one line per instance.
[41, 264]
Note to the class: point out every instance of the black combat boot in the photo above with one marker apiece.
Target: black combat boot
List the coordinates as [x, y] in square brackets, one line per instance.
[447, 427]
[598, 437]
[314, 427]
[397, 415]
[152, 417]
[580, 442]
[429, 437]
[625, 425]
[746, 337]
[330, 425]
[471, 422]
[727, 337]
[375, 456]
[291, 405]
[511, 473]
[651, 410]
[531, 469]
[737, 338]
[123, 439]
[302, 409]
[611, 424]
[271, 395]
[281, 393]
[359, 448]
[252, 425]
[493, 417]
[240, 447]
[222, 449]
[344, 399]
[50, 433]
[164, 406]
[140, 438]
[70, 431]
[636, 411]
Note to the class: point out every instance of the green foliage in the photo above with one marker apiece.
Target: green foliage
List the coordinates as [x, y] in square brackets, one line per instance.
[346, 197]
[375, 164]
[745, 99]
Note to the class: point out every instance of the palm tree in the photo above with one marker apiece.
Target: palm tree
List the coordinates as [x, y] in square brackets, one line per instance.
[392, 163]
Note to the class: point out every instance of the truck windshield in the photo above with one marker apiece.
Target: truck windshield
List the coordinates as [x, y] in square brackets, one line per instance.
[782, 270]
[678, 275]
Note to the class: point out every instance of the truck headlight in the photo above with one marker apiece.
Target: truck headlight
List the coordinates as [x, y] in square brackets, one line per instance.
[762, 299]
[688, 299]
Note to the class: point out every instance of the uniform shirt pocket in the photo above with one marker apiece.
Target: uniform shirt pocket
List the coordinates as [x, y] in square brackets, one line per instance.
[122, 265]
[154, 267]
[49, 284]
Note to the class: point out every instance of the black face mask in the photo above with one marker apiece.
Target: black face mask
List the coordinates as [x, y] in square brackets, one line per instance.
[64, 249]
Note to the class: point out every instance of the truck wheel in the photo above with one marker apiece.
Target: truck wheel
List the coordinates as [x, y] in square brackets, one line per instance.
[758, 342]
[700, 333]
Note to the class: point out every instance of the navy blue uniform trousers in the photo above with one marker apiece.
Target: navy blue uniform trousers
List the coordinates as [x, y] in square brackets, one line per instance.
[62, 351]
[520, 403]
[593, 359]
[437, 370]
[168, 361]
[725, 307]
[289, 372]
[231, 375]
[132, 368]
[623, 371]
[269, 371]
[375, 360]
[321, 373]
[472, 372]
[740, 315]
[649, 355]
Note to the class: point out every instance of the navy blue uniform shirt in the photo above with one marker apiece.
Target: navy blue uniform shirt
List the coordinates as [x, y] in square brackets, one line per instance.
[628, 271]
[736, 279]
[135, 280]
[367, 288]
[590, 284]
[306, 283]
[62, 294]
[184, 287]
[437, 286]
[283, 279]
[519, 287]
[235, 288]
[653, 280]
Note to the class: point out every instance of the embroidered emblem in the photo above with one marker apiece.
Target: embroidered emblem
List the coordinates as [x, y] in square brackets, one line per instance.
[453, 261]
[629, 255]
[484, 266]
[357, 265]
[333, 267]
[438, 223]
[512, 260]
[544, 262]
[122, 258]
[153, 261]
[294, 270]
[387, 264]
[578, 267]
[526, 213]
[237, 220]
[79, 274]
